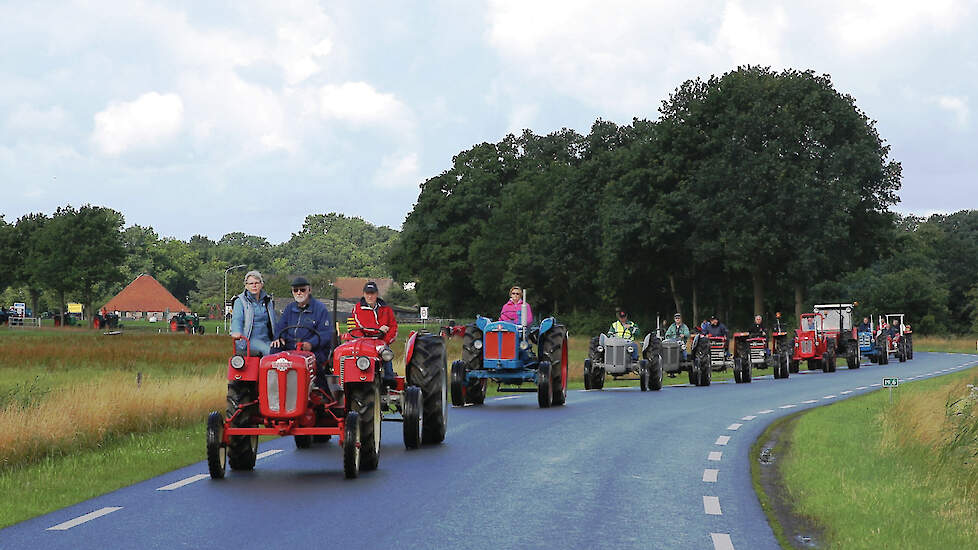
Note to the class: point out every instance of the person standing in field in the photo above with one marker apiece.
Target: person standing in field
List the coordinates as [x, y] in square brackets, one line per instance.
[253, 316]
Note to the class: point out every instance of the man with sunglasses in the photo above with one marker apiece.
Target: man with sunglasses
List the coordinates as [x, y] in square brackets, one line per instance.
[312, 326]
[623, 328]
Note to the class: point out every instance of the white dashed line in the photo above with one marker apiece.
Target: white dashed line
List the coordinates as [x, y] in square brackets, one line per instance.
[766, 411]
[710, 475]
[734, 427]
[268, 453]
[97, 514]
[711, 505]
[715, 456]
[182, 482]
[846, 392]
[875, 385]
[809, 402]
[787, 406]
[722, 440]
[749, 417]
[510, 397]
[862, 387]
[721, 541]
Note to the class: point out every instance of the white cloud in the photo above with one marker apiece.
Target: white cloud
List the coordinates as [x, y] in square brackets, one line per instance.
[398, 170]
[150, 120]
[872, 25]
[28, 118]
[957, 106]
[358, 103]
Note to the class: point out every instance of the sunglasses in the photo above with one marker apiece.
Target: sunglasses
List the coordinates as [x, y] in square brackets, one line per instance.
[300, 290]
[515, 294]
[253, 283]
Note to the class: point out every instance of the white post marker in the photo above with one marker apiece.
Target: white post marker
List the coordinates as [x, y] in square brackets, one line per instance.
[424, 315]
[891, 383]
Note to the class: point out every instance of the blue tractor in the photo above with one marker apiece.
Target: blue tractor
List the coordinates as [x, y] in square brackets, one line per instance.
[872, 347]
[502, 352]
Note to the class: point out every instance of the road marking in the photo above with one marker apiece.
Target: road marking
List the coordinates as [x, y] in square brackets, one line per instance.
[268, 453]
[845, 392]
[182, 482]
[829, 397]
[721, 541]
[715, 456]
[82, 519]
[710, 475]
[735, 426]
[766, 411]
[749, 417]
[787, 406]
[862, 387]
[711, 505]
[722, 440]
[510, 397]
[809, 402]
[875, 385]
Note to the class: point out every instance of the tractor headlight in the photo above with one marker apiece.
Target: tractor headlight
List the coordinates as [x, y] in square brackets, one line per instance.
[386, 354]
[600, 348]
[630, 349]
[237, 362]
[477, 344]
[523, 344]
[363, 363]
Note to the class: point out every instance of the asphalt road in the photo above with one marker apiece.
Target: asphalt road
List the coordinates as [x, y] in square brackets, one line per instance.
[611, 469]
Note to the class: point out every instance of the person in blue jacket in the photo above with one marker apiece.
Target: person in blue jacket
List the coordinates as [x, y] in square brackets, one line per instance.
[253, 316]
[313, 316]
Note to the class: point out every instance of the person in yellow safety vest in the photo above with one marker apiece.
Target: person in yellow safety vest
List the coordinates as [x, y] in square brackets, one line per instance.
[623, 328]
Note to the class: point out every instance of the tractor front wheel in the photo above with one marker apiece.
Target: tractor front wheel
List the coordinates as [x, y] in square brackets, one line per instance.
[217, 456]
[655, 378]
[738, 370]
[902, 352]
[242, 450]
[643, 375]
[793, 366]
[412, 417]
[366, 397]
[597, 378]
[587, 374]
[544, 383]
[427, 372]
[458, 383]
[351, 445]
[302, 441]
[852, 357]
[553, 348]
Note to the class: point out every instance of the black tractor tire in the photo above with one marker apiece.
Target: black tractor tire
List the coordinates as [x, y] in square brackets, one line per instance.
[553, 349]
[655, 369]
[544, 385]
[597, 378]
[909, 340]
[817, 364]
[643, 375]
[785, 365]
[471, 356]
[427, 371]
[321, 438]
[706, 373]
[475, 392]
[587, 374]
[365, 399]
[874, 359]
[302, 441]
[832, 360]
[351, 445]
[593, 354]
[793, 366]
[694, 377]
[411, 414]
[458, 383]
[902, 352]
[217, 457]
[242, 450]
[738, 370]
[747, 372]
[776, 368]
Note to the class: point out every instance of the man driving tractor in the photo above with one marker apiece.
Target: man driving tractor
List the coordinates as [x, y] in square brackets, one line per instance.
[678, 329]
[306, 322]
[624, 328]
[374, 318]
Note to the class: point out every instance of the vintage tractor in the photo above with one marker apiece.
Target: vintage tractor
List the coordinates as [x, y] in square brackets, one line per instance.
[188, 323]
[837, 324]
[813, 345]
[501, 352]
[281, 394]
[871, 343]
[671, 353]
[720, 359]
[613, 355]
[896, 340]
[751, 351]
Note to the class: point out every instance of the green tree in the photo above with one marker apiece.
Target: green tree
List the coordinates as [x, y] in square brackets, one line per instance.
[28, 267]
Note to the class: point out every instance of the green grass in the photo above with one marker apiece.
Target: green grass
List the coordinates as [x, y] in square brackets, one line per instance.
[870, 474]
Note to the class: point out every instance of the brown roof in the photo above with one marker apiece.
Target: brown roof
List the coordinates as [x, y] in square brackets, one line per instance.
[352, 287]
[145, 294]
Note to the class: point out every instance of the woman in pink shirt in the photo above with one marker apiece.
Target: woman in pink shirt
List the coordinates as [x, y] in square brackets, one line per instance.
[513, 309]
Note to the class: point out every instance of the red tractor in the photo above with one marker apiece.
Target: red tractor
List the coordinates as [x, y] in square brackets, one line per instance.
[814, 344]
[276, 395]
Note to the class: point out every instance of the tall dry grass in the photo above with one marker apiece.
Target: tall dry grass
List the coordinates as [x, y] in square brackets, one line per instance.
[89, 414]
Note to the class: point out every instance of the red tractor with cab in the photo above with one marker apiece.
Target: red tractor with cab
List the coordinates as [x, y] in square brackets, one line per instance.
[277, 395]
[814, 344]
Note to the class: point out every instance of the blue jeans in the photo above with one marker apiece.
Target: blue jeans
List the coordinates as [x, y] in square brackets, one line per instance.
[388, 370]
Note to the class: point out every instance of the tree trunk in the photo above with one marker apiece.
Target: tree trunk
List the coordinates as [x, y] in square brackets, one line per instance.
[696, 307]
[675, 296]
[798, 297]
[35, 300]
[758, 280]
[61, 308]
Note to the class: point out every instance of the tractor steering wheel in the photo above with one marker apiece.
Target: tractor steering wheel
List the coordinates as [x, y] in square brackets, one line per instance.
[308, 330]
[370, 332]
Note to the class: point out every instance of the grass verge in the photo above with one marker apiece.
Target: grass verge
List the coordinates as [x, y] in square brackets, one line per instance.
[873, 474]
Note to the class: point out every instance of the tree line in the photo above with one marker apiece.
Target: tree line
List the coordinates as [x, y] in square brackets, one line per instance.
[753, 192]
[86, 254]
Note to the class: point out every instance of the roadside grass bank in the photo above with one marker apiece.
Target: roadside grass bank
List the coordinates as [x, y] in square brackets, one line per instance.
[950, 344]
[867, 473]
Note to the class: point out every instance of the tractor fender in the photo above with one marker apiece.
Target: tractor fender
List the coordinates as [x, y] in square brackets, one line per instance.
[481, 322]
[601, 339]
[409, 347]
[645, 342]
[546, 325]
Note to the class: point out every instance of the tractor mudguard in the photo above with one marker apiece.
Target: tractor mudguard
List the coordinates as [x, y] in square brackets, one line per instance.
[645, 342]
[247, 371]
[601, 339]
[409, 347]
[546, 325]
[481, 322]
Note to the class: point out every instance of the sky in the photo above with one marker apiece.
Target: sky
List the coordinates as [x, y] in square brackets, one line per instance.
[214, 117]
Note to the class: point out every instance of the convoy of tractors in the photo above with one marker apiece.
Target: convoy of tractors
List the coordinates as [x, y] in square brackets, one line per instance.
[287, 394]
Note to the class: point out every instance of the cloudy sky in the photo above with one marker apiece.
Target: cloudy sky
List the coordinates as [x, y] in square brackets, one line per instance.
[213, 117]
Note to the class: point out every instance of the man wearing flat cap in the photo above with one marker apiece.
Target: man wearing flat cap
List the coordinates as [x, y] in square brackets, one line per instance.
[312, 326]
[373, 318]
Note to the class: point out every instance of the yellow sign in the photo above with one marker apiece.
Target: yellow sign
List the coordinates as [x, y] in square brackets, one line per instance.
[74, 308]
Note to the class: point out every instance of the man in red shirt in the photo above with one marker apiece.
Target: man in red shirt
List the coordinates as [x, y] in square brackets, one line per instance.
[374, 318]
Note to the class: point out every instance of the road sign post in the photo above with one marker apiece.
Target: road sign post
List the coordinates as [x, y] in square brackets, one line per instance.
[891, 383]
[424, 315]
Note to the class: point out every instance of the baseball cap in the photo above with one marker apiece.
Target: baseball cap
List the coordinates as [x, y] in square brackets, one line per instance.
[370, 287]
[300, 281]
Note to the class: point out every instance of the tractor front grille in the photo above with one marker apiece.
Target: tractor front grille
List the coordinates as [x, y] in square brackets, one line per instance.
[500, 345]
[614, 355]
[283, 389]
[865, 339]
[806, 346]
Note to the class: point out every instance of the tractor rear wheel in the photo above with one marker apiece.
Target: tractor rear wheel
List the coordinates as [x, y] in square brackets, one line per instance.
[593, 354]
[738, 370]
[909, 341]
[553, 349]
[793, 366]
[475, 392]
[351, 445]
[242, 450]
[217, 456]
[852, 357]
[655, 378]
[643, 375]
[366, 398]
[902, 352]
[746, 373]
[544, 383]
[694, 378]
[411, 413]
[471, 355]
[427, 372]
[706, 373]
[776, 367]
[458, 383]
[587, 374]
[302, 441]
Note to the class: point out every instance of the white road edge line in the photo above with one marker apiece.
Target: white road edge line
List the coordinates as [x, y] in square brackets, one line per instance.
[749, 417]
[510, 397]
[182, 482]
[87, 517]
[715, 456]
[721, 541]
[862, 387]
[734, 427]
[787, 406]
[268, 453]
[710, 475]
[810, 401]
[845, 392]
[722, 440]
[711, 505]
[766, 411]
